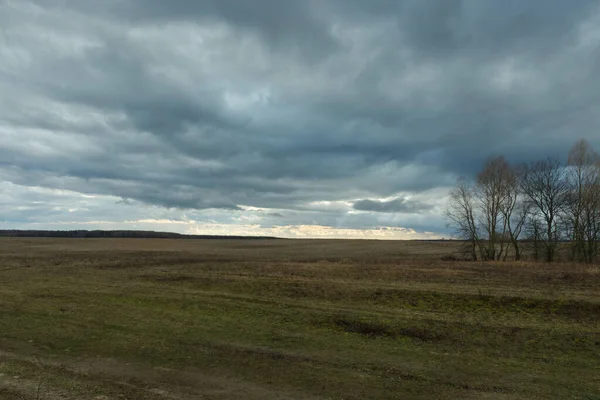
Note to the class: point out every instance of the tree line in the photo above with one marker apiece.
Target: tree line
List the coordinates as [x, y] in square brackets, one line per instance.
[116, 234]
[541, 206]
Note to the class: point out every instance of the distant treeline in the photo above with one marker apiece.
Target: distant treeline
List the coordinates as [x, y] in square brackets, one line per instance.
[116, 234]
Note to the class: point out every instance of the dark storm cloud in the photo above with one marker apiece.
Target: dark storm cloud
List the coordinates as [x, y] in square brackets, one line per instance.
[282, 104]
[444, 27]
[392, 206]
[283, 25]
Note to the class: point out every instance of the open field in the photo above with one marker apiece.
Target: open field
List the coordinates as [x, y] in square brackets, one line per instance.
[290, 319]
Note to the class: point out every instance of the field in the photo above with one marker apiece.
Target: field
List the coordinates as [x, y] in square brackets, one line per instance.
[290, 319]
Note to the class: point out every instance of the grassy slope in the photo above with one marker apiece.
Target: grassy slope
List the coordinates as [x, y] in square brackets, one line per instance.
[126, 318]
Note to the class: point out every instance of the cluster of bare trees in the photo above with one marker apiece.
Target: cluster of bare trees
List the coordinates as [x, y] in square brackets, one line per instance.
[542, 206]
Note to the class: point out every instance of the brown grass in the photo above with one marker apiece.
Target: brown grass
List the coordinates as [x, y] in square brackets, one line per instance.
[228, 319]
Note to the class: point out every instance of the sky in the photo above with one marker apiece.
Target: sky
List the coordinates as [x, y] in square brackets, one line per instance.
[295, 118]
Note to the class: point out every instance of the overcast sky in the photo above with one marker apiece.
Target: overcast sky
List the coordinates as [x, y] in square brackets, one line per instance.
[307, 118]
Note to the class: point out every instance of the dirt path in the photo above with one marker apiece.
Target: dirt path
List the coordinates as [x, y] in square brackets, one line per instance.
[26, 375]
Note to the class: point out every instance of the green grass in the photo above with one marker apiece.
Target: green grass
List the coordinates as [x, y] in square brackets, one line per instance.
[291, 319]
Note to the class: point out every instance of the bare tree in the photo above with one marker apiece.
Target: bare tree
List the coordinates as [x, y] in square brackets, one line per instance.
[493, 191]
[546, 188]
[583, 206]
[592, 218]
[490, 213]
[515, 210]
[461, 214]
[533, 235]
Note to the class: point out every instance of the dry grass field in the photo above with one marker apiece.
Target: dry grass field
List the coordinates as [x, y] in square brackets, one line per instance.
[290, 319]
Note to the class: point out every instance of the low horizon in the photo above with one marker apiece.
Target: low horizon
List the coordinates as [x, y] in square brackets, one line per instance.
[154, 234]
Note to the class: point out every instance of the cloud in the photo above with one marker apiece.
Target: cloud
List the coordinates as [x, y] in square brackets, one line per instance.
[399, 205]
[297, 107]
